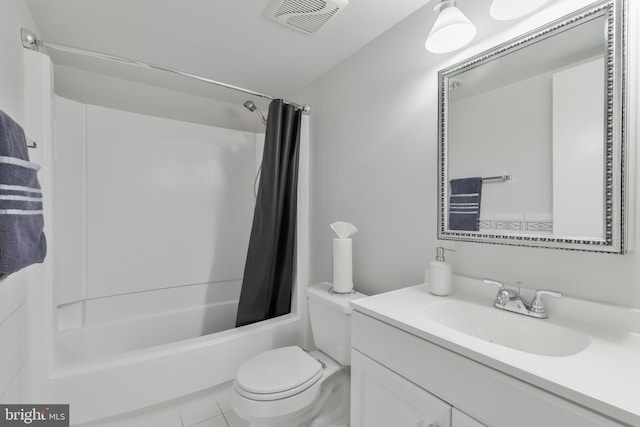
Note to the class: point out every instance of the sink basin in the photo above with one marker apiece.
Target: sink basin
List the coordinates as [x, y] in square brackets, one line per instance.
[507, 329]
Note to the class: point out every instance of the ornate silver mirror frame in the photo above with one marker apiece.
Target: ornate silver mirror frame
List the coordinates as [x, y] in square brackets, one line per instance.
[614, 234]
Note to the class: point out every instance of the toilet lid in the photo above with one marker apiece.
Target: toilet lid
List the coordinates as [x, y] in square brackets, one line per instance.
[278, 370]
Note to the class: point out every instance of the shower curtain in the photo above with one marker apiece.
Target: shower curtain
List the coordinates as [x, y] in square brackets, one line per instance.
[268, 274]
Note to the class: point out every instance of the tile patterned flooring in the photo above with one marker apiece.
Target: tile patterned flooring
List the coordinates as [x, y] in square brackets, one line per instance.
[208, 408]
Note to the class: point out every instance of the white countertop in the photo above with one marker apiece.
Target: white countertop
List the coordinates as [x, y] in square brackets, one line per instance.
[604, 377]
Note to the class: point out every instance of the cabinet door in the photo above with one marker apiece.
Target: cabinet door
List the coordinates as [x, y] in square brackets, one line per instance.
[382, 398]
[460, 419]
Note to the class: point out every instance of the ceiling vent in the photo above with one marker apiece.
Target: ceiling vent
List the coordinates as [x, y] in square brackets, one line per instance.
[307, 16]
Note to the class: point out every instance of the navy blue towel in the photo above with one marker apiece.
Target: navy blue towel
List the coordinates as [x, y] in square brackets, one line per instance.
[464, 204]
[22, 240]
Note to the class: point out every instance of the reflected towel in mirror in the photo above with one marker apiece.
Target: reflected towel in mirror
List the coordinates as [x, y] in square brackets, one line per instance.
[464, 203]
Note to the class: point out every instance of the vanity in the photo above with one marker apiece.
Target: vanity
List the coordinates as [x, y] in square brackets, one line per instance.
[419, 359]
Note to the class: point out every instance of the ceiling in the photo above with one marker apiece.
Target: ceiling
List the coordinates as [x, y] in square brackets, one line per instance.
[231, 41]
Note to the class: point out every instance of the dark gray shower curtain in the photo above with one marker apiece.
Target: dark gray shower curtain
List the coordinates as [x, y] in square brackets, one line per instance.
[268, 272]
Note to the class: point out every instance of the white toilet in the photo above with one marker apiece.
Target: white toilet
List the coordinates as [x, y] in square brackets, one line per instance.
[288, 386]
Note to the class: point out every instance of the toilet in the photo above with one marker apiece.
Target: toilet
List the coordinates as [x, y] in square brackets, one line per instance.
[289, 386]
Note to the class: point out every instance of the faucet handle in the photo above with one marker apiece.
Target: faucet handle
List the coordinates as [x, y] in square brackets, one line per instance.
[504, 294]
[493, 282]
[537, 305]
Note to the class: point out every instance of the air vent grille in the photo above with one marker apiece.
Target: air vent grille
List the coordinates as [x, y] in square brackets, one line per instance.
[300, 6]
[311, 23]
[307, 16]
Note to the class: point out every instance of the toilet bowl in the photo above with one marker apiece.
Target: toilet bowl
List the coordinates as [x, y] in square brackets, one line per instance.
[289, 386]
[292, 389]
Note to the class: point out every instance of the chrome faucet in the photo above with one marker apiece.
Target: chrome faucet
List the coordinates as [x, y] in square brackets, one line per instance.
[510, 300]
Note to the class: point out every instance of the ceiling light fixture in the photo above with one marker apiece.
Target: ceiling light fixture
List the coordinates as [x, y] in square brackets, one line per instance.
[452, 30]
[503, 10]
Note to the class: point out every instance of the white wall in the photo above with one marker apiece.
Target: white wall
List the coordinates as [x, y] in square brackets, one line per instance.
[374, 163]
[13, 291]
[146, 203]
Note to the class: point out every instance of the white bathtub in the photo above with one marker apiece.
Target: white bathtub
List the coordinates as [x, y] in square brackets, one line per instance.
[115, 364]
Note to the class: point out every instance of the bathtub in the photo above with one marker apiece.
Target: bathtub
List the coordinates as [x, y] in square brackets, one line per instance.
[117, 363]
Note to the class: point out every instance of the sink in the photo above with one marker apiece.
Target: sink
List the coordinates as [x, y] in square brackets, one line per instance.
[507, 329]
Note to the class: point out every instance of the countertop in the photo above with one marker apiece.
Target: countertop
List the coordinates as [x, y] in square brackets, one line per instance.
[604, 377]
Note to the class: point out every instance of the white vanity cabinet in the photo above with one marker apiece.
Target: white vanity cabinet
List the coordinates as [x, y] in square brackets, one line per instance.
[460, 419]
[382, 398]
[400, 379]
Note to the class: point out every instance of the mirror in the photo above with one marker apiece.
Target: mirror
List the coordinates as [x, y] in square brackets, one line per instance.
[531, 141]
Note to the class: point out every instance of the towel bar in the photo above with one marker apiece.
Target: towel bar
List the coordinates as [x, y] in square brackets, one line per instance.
[507, 177]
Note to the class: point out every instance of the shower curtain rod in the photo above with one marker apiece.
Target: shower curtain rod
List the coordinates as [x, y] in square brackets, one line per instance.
[29, 41]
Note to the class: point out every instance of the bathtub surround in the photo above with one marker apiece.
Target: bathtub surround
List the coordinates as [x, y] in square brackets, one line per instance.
[269, 269]
[174, 212]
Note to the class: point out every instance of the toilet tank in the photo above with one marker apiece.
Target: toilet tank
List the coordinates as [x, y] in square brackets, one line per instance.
[331, 321]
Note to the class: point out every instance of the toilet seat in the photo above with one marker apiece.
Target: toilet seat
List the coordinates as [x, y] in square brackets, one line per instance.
[278, 374]
[269, 410]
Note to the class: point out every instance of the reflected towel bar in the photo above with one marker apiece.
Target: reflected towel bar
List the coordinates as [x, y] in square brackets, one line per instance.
[507, 177]
[31, 143]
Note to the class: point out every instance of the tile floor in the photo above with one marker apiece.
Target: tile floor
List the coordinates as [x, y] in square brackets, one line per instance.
[208, 408]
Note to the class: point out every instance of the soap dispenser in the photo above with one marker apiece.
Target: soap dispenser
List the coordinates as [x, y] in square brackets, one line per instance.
[440, 274]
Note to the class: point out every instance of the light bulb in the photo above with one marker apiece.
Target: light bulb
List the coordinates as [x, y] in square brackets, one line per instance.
[451, 31]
